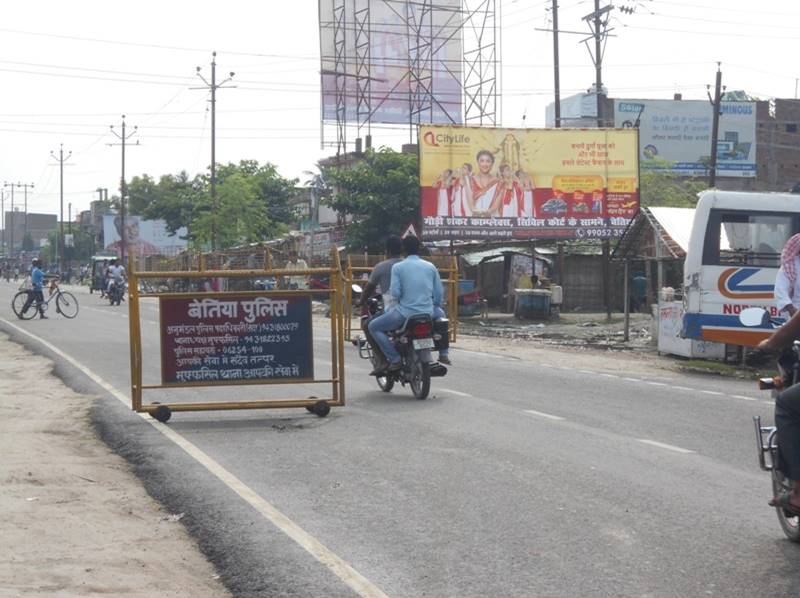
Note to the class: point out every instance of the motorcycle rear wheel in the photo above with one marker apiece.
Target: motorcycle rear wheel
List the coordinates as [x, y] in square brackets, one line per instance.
[420, 377]
[790, 524]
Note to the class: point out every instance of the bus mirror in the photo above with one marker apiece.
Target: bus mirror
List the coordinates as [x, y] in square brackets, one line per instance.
[754, 316]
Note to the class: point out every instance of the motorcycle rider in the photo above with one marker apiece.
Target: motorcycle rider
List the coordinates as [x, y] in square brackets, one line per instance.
[116, 275]
[787, 419]
[417, 289]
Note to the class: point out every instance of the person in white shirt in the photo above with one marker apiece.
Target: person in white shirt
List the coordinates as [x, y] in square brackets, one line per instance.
[295, 263]
[116, 274]
[787, 283]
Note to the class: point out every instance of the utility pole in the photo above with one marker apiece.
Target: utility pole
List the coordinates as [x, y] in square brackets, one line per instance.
[556, 75]
[69, 217]
[716, 104]
[61, 159]
[214, 86]
[3, 218]
[13, 220]
[598, 25]
[25, 187]
[123, 189]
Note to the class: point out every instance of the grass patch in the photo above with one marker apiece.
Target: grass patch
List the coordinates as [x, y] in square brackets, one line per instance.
[719, 368]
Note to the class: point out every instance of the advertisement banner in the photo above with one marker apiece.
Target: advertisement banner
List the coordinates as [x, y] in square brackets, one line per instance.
[675, 135]
[143, 237]
[487, 183]
[225, 339]
[371, 58]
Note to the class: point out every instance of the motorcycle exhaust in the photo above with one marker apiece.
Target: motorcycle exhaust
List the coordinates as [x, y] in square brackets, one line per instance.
[438, 370]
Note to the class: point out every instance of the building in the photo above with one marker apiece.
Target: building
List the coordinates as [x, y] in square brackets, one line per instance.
[18, 223]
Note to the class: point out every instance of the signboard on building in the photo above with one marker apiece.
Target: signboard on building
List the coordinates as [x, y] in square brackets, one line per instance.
[488, 183]
[236, 338]
[675, 135]
[367, 67]
[143, 237]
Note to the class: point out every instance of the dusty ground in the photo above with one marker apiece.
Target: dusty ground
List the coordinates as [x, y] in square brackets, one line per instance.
[75, 521]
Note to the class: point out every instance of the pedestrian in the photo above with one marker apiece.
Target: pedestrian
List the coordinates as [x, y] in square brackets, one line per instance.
[36, 291]
[787, 283]
[638, 292]
[296, 263]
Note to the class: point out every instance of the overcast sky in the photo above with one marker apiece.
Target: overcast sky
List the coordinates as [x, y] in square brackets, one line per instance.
[71, 69]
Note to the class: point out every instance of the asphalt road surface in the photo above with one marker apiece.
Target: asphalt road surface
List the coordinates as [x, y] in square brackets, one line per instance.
[513, 479]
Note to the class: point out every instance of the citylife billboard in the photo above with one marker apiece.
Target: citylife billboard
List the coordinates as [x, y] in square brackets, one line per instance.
[144, 237]
[493, 184]
[678, 132]
[384, 74]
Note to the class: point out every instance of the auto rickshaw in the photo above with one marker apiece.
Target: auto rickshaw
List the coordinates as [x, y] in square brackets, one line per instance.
[99, 263]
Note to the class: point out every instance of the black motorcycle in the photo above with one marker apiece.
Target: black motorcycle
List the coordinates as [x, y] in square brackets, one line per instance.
[766, 436]
[414, 341]
[116, 292]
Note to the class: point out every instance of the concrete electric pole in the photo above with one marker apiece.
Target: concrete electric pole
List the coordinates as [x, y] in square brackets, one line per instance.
[13, 220]
[213, 86]
[61, 159]
[716, 104]
[25, 187]
[123, 188]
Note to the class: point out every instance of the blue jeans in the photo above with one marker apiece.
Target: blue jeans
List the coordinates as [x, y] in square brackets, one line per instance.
[378, 327]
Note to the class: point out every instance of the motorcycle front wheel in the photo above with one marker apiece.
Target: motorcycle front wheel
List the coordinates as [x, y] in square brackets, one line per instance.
[789, 523]
[420, 377]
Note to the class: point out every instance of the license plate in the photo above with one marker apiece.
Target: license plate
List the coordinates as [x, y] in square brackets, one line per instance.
[423, 343]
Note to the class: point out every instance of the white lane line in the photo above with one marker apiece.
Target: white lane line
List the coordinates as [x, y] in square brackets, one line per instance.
[632, 379]
[456, 392]
[338, 566]
[683, 388]
[544, 415]
[609, 375]
[669, 447]
[655, 383]
[587, 372]
[744, 398]
[712, 392]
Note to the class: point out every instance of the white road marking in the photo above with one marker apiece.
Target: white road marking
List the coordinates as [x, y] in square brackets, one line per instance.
[357, 582]
[669, 447]
[655, 383]
[545, 415]
[744, 398]
[609, 375]
[712, 392]
[587, 372]
[456, 392]
[683, 388]
[632, 379]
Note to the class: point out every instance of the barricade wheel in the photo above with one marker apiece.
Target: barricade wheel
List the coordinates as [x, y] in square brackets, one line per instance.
[321, 408]
[162, 413]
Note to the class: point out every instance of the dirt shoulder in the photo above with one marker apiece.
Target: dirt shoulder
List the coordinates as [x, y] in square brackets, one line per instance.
[76, 521]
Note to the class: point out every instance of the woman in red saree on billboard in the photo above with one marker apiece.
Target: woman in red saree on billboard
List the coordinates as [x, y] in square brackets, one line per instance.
[483, 184]
[445, 195]
[507, 196]
[462, 192]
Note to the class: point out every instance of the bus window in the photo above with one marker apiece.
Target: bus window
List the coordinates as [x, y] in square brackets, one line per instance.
[746, 238]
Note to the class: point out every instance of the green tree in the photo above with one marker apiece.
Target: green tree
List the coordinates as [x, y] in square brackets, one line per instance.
[660, 187]
[179, 200]
[381, 193]
[142, 191]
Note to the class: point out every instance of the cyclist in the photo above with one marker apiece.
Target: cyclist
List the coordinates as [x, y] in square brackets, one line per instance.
[36, 291]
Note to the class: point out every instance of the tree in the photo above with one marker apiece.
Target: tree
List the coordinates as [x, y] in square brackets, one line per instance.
[381, 193]
[661, 187]
[179, 200]
[142, 191]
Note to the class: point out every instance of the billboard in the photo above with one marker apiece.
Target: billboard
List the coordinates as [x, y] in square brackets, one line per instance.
[144, 237]
[487, 183]
[679, 132]
[377, 41]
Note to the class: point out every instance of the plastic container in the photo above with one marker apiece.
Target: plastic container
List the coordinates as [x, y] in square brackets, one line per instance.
[557, 297]
[532, 304]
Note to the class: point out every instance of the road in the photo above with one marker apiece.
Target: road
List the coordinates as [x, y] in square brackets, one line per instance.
[514, 479]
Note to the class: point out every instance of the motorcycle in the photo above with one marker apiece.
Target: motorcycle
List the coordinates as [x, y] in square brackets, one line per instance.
[116, 293]
[414, 341]
[766, 436]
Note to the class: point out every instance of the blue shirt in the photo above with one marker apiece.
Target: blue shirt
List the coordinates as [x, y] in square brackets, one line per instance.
[416, 286]
[37, 279]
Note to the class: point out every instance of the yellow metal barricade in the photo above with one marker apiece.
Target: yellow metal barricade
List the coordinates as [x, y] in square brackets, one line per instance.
[216, 331]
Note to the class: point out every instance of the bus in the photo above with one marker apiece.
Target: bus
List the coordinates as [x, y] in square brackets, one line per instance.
[732, 261]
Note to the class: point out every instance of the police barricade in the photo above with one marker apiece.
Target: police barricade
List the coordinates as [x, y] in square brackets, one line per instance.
[359, 267]
[218, 327]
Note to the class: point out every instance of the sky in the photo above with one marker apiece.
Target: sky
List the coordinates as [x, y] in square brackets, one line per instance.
[71, 70]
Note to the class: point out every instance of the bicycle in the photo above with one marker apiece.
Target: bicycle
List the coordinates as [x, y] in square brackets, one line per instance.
[66, 303]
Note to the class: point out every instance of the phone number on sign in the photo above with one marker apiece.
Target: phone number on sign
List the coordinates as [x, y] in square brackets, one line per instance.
[599, 233]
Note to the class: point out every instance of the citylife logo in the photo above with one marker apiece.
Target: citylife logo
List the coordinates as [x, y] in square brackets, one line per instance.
[437, 139]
